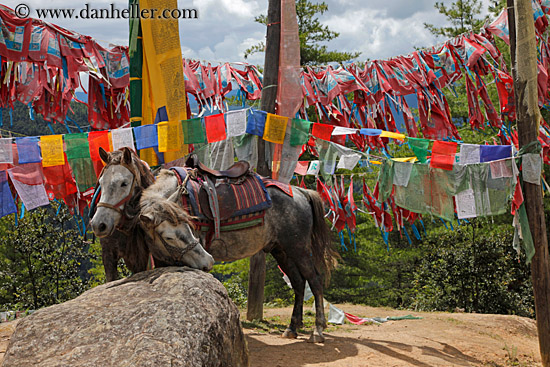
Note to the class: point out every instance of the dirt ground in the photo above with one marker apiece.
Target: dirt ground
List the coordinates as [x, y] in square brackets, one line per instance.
[438, 339]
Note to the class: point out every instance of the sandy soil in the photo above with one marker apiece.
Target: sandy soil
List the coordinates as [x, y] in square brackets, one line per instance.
[438, 339]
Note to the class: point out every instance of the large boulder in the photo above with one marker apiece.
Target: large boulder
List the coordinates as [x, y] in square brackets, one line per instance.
[164, 317]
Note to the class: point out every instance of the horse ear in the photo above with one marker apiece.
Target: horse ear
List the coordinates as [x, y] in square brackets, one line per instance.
[105, 157]
[127, 155]
[146, 219]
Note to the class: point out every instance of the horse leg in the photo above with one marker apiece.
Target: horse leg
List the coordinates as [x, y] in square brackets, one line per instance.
[307, 269]
[298, 284]
[109, 255]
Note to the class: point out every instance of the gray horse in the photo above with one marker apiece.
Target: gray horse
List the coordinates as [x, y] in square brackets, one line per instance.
[294, 232]
[115, 220]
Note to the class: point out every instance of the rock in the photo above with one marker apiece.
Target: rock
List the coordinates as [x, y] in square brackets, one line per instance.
[163, 317]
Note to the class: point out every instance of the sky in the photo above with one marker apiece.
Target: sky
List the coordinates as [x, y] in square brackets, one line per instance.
[226, 28]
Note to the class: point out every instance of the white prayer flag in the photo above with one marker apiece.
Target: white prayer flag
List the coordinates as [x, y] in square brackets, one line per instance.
[123, 138]
[340, 130]
[235, 122]
[469, 154]
[314, 167]
[335, 315]
[6, 151]
[500, 169]
[466, 204]
[32, 196]
[402, 173]
[348, 161]
[531, 168]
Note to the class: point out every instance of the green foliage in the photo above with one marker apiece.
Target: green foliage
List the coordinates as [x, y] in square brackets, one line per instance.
[462, 16]
[474, 268]
[311, 33]
[42, 259]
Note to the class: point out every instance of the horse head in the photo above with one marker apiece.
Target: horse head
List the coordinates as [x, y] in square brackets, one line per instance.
[122, 178]
[171, 229]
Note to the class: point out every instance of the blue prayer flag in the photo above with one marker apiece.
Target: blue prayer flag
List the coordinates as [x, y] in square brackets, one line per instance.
[28, 149]
[490, 153]
[7, 206]
[256, 122]
[370, 132]
[146, 136]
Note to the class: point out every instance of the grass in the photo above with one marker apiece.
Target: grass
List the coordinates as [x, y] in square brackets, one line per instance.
[278, 324]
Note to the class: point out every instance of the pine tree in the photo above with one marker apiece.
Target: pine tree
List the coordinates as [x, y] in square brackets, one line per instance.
[462, 15]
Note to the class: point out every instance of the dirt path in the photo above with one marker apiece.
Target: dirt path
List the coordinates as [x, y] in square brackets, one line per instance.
[438, 339]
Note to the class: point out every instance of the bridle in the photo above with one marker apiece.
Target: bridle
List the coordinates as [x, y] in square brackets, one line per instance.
[170, 248]
[116, 207]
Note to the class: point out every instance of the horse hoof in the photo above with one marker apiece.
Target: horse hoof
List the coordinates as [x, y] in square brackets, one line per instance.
[316, 339]
[289, 334]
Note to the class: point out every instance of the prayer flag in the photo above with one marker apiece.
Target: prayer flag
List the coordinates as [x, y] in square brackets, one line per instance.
[97, 139]
[170, 135]
[495, 152]
[7, 206]
[370, 132]
[6, 151]
[469, 154]
[28, 149]
[301, 167]
[52, 150]
[59, 181]
[123, 138]
[314, 167]
[215, 128]
[275, 128]
[443, 155]
[236, 123]
[256, 122]
[193, 131]
[419, 147]
[78, 155]
[465, 204]
[348, 161]
[146, 136]
[33, 195]
[340, 130]
[299, 132]
[322, 131]
[389, 134]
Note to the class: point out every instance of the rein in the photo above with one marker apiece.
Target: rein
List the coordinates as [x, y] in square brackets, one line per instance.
[171, 248]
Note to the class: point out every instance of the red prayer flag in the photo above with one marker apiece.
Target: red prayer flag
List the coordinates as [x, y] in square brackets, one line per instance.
[301, 167]
[443, 155]
[322, 131]
[215, 128]
[98, 139]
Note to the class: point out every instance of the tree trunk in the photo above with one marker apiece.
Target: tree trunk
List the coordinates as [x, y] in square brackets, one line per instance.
[256, 277]
[522, 42]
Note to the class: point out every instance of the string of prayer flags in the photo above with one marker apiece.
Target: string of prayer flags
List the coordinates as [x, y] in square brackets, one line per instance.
[443, 154]
[123, 138]
[78, 154]
[301, 168]
[7, 205]
[389, 134]
[170, 136]
[494, 152]
[28, 149]
[6, 151]
[420, 148]
[275, 128]
[236, 123]
[322, 131]
[256, 122]
[299, 132]
[215, 128]
[146, 136]
[52, 150]
[194, 131]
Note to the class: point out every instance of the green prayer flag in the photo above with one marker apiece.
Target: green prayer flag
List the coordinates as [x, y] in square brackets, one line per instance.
[194, 131]
[526, 232]
[78, 155]
[385, 181]
[299, 132]
[420, 148]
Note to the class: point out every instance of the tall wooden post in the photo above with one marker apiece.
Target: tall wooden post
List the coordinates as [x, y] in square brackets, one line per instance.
[256, 276]
[524, 62]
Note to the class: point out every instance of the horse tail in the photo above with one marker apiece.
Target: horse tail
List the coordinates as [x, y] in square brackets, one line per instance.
[324, 254]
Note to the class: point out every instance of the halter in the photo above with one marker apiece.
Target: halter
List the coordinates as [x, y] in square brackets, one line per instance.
[169, 247]
[116, 207]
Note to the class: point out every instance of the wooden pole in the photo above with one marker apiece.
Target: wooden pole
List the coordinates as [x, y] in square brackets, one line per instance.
[524, 62]
[256, 276]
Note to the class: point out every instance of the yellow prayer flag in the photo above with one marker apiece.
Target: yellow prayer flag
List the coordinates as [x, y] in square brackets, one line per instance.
[275, 128]
[170, 135]
[405, 159]
[52, 150]
[389, 134]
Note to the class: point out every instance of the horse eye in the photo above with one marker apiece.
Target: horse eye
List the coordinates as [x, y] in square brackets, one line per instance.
[168, 238]
[124, 184]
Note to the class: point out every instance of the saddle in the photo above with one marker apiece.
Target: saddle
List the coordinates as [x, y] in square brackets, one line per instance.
[237, 170]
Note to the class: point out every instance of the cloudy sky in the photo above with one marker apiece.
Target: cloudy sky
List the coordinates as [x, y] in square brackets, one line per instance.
[225, 28]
